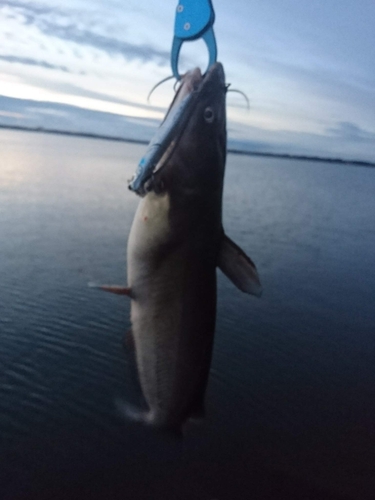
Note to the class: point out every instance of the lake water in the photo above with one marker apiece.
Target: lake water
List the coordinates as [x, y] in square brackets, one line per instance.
[291, 396]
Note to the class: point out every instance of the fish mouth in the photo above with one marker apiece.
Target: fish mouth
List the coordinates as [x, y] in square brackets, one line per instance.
[216, 73]
[193, 82]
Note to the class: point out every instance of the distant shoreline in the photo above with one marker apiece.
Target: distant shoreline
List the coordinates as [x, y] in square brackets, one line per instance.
[89, 135]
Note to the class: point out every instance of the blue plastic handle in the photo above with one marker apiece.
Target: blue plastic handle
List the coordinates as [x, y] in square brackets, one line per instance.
[194, 19]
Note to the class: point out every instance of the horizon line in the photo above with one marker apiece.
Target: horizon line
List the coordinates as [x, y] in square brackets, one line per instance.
[89, 135]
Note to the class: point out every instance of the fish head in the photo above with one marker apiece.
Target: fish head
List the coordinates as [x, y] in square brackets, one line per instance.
[196, 156]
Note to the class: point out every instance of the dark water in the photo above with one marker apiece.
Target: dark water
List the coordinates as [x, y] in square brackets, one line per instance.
[291, 398]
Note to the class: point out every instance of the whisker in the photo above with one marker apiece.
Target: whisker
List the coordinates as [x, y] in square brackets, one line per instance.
[157, 85]
[243, 94]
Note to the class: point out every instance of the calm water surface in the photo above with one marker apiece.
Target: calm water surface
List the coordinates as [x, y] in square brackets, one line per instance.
[291, 397]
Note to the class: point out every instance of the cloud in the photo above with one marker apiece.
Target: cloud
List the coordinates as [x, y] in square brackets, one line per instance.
[351, 132]
[335, 84]
[109, 45]
[345, 140]
[64, 117]
[56, 23]
[77, 90]
[26, 7]
[32, 62]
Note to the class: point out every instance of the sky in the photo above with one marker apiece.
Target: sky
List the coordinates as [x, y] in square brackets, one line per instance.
[307, 67]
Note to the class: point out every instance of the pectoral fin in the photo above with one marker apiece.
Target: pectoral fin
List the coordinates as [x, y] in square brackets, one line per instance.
[117, 289]
[239, 268]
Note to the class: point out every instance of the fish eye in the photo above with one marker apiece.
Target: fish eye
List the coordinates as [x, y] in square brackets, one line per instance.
[209, 115]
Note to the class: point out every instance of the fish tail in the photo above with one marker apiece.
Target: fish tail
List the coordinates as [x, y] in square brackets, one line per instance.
[132, 413]
[148, 418]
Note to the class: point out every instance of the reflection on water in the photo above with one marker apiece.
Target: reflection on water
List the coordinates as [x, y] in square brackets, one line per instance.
[291, 398]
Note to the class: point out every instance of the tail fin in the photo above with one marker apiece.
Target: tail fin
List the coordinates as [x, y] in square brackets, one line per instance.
[131, 413]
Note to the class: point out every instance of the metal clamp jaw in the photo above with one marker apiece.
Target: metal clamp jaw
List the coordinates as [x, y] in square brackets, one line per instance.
[194, 20]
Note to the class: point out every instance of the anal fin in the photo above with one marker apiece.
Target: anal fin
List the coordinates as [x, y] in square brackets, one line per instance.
[239, 268]
[117, 289]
